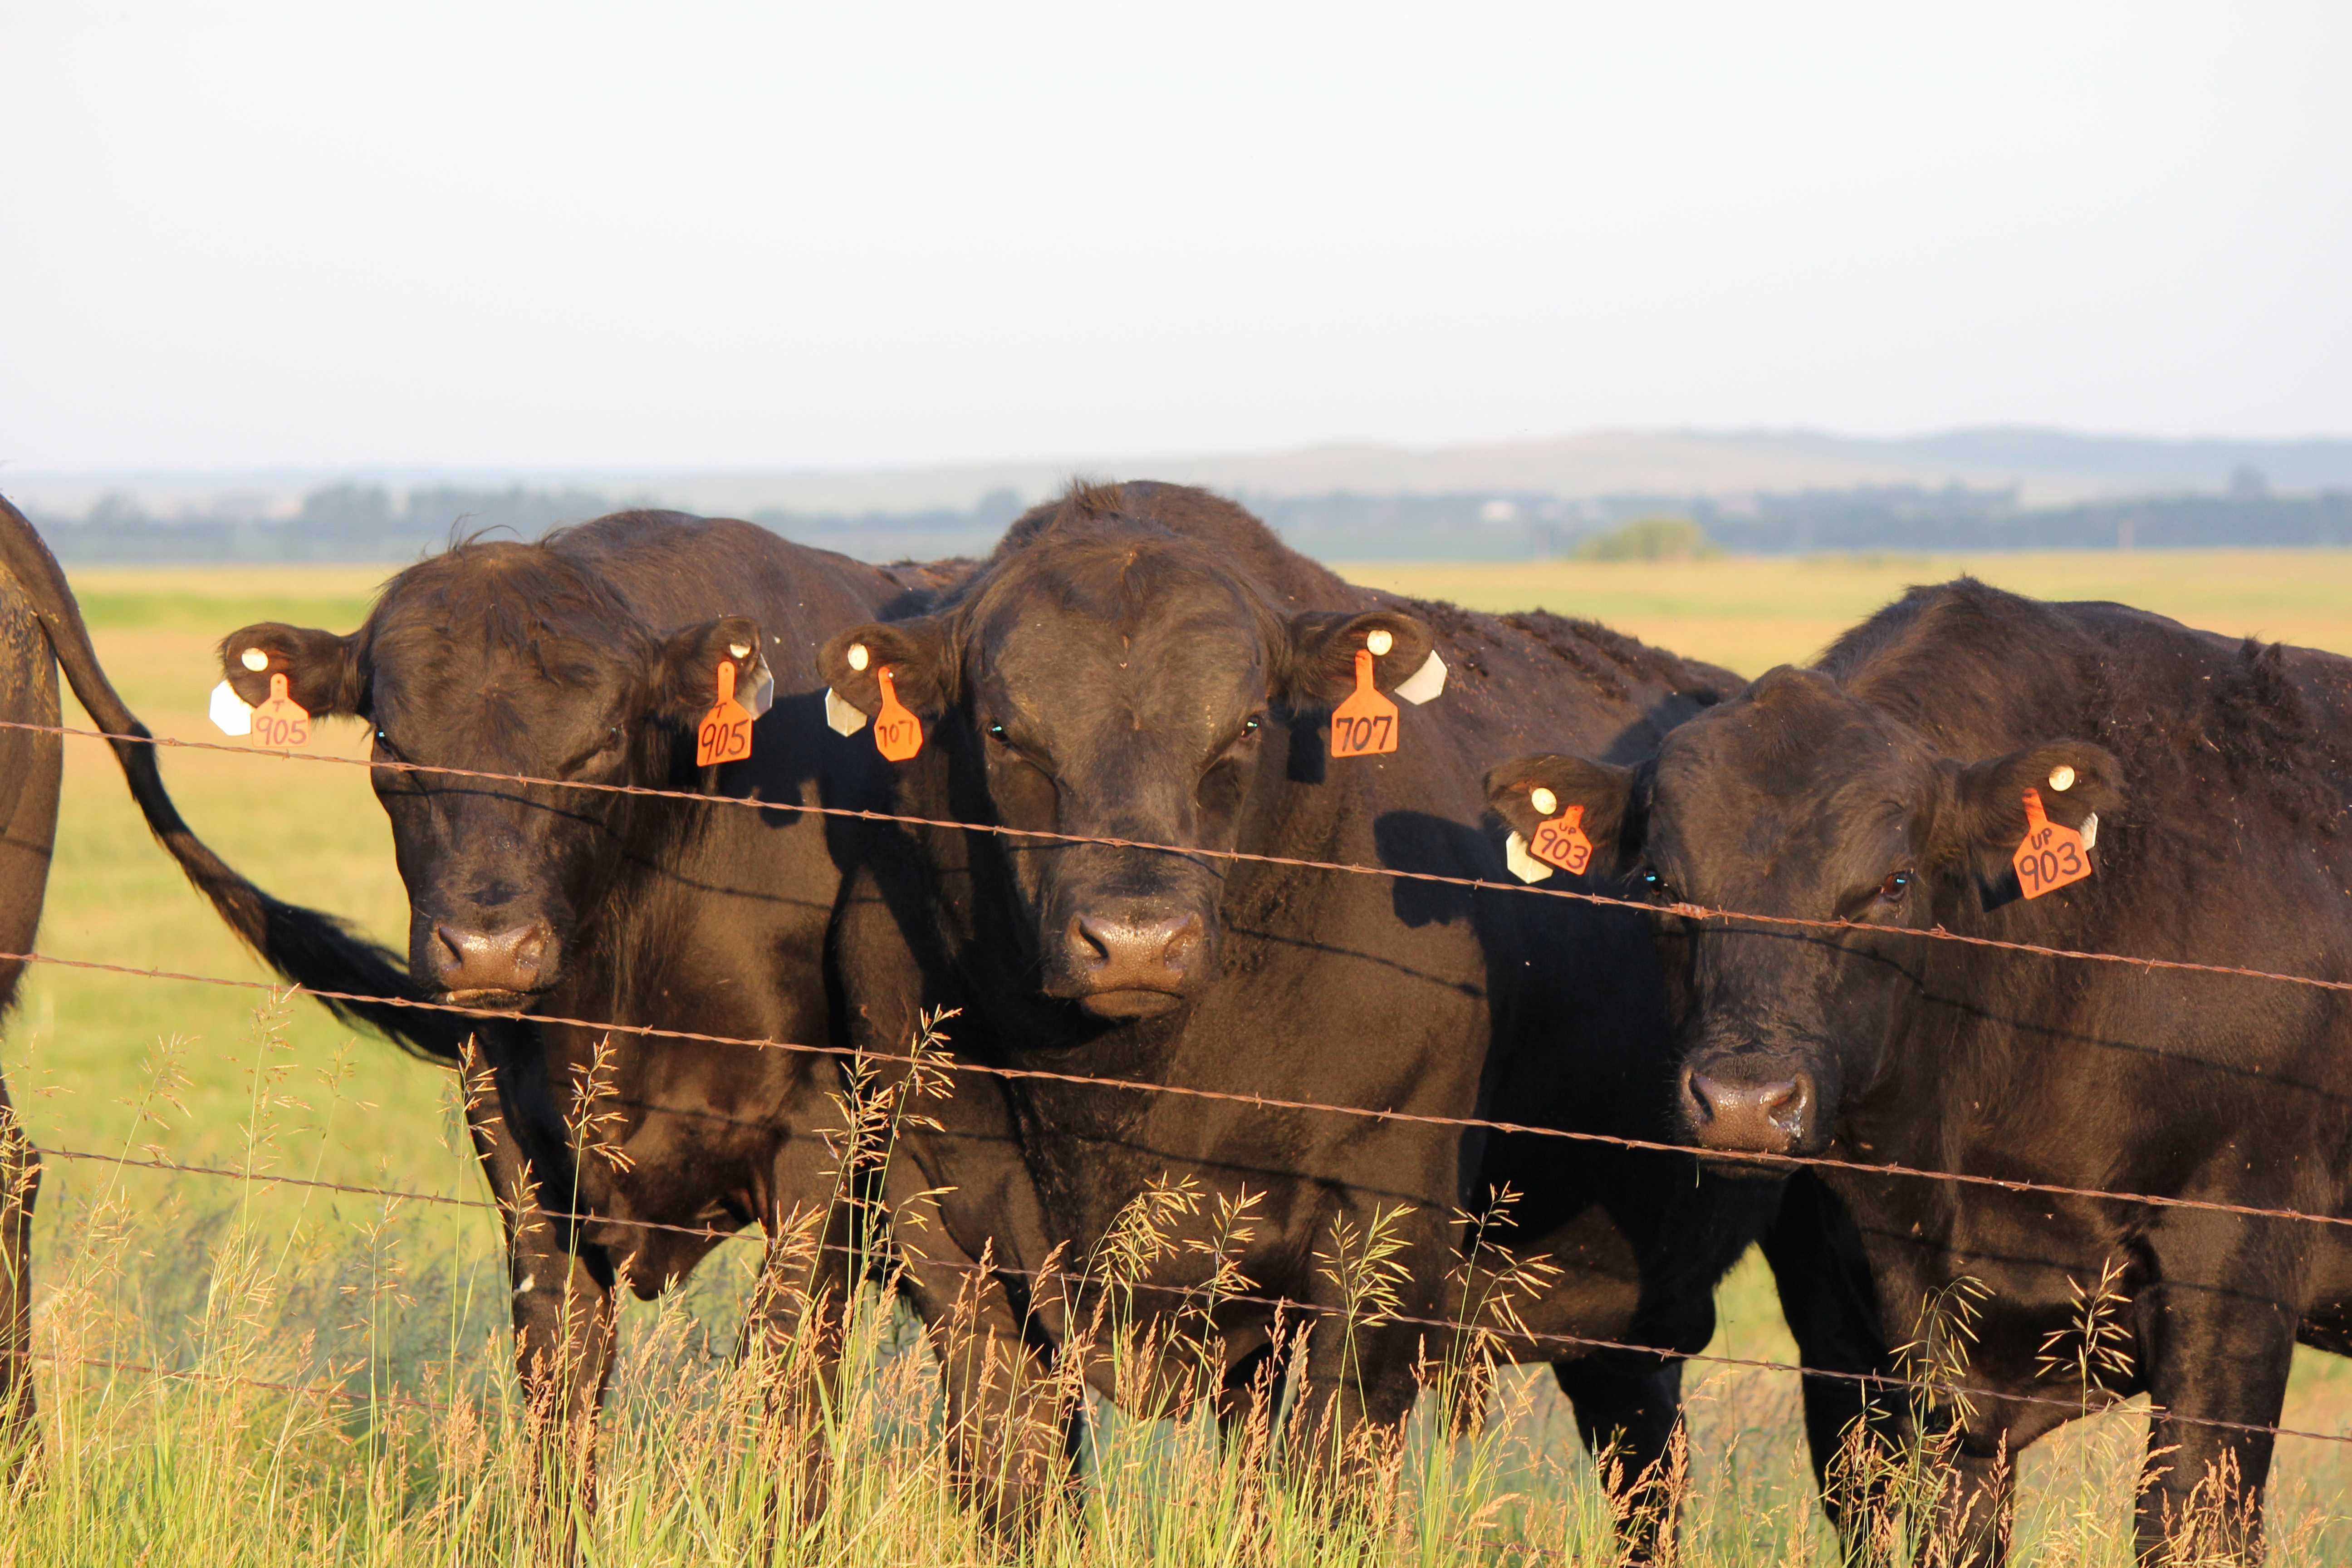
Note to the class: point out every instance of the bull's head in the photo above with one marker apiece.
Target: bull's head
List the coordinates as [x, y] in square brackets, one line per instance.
[503, 658]
[1799, 800]
[1125, 684]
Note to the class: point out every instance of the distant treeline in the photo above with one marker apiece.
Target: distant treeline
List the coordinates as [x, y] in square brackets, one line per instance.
[371, 523]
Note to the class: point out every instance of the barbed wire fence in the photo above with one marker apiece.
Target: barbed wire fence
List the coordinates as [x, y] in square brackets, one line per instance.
[1295, 1308]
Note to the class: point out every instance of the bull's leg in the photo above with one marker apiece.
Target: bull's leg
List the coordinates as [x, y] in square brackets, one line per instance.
[1249, 1393]
[1011, 1418]
[1975, 1509]
[1831, 1305]
[564, 1322]
[1365, 1349]
[20, 1182]
[2222, 1357]
[793, 1334]
[1628, 1420]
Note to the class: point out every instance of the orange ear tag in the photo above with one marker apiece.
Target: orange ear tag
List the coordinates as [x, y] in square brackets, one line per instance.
[1560, 841]
[1367, 722]
[897, 735]
[281, 725]
[2053, 855]
[726, 733]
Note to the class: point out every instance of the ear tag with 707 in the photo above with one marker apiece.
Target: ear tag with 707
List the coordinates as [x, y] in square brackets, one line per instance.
[1366, 723]
[1560, 841]
[2053, 855]
[726, 733]
[281, 724]
[897, 735]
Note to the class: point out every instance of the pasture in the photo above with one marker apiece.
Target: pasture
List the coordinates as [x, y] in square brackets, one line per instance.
[401, 1303]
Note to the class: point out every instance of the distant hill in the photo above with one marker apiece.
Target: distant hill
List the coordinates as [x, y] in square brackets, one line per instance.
[1759, 491]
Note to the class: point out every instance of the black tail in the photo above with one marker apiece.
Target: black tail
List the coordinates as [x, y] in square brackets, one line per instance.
[305, 946]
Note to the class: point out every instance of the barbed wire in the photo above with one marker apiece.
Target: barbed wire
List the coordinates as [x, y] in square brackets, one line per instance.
[186, 1374]
[1281, 1305]
[1477, 884]
[1260, 1101]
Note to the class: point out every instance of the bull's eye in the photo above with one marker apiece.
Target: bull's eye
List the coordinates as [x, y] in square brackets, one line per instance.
[1250, 725]
[1895, 886]
[996, 732]
[1652, 882]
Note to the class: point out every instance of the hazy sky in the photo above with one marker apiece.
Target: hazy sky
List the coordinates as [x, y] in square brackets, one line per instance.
[702, 234]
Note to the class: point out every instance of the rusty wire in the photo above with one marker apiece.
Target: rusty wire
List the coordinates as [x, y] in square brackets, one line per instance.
[1685, 911]
[1282, 1305]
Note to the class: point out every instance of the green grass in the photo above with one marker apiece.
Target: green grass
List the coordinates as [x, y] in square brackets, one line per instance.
[408, 1301]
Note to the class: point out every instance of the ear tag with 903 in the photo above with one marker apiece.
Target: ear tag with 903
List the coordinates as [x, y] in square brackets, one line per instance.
[726, 733]
[1366, 723]
[1560, 841]
[281, 725]
[898, 734]
[2053, 855]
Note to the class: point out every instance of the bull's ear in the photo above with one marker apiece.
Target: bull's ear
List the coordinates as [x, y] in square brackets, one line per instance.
[1517, 791]
[1318, 668]
[321, 670]
[685, 676]
[2075, 779]
[914, 652]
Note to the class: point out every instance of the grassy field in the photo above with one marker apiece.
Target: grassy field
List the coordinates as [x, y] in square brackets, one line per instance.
[407, 1300]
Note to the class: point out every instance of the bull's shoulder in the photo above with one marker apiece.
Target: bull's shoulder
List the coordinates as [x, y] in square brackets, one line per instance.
[669, 565]
[1537, 645]
[1981, 671]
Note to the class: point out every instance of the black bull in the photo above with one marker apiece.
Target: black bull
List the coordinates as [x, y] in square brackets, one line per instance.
[1149, 663]
[592, 656]
[1886, 788]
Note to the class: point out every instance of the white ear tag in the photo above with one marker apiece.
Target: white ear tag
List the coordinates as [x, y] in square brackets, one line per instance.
[843, 718]
[232, 715]
[1524, 865]
[762, 696]
[1426, 682]
[2090, 830]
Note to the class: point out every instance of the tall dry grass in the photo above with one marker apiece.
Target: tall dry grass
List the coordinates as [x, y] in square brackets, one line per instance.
[230, 1371]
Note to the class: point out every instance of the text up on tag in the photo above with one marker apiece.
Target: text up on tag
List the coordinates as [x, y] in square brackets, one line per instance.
[1560, 841]
[898, 734]
[1366, 723]
[281, 725]
[726, 733]
[2053, 855]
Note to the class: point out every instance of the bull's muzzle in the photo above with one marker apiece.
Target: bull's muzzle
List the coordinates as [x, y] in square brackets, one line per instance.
[1738, 1109]
[490, 966]
[1131, 964]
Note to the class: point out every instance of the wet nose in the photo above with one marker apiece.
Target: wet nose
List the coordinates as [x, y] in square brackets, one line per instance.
[467, 958]
[1773, 1116]
[1134, 950]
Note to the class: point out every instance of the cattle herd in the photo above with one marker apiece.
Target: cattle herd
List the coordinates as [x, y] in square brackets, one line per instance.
[1097, 809]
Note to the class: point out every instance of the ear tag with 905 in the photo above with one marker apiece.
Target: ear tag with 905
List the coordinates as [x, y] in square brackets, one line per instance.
[898, 734]
[1366, 723]
[726, 733]
[1560, 841]
[281, 725]
[2053, 855]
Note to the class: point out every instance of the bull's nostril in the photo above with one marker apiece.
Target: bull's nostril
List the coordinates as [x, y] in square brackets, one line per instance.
[1785, 1105]
[1704, 1093]
[1089, 944]
[531, 950]
[1181, 943]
